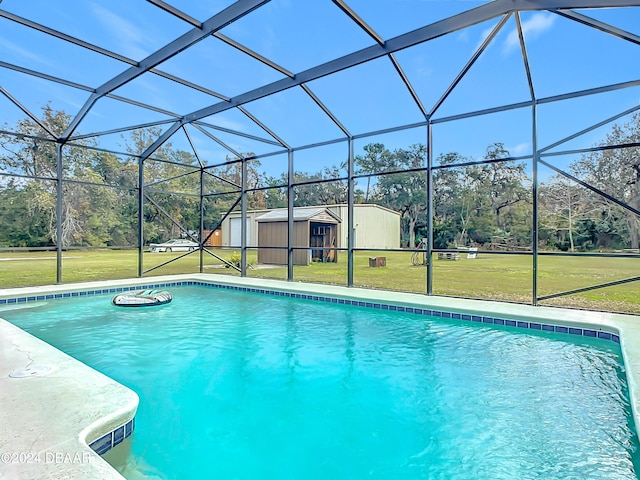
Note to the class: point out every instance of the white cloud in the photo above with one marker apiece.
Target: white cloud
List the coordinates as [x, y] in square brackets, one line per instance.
[220, 121]
[20, 52]
[463, 35]
[485, 33]
[519, 149]
[128, 36]
[531, 29]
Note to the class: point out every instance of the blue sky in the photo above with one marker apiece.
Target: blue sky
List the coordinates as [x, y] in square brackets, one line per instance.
[564, 56]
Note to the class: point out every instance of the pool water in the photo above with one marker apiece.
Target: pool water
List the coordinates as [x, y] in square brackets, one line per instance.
[237, 385]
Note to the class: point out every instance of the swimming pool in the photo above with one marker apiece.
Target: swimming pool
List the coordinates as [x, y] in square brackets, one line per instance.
[246, 385]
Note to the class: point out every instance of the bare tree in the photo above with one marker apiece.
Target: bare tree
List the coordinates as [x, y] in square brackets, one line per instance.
[616, 171]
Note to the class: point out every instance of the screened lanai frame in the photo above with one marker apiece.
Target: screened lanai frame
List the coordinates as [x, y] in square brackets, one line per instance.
[499, 10]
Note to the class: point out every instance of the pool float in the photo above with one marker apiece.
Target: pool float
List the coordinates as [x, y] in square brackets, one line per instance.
[142, 298]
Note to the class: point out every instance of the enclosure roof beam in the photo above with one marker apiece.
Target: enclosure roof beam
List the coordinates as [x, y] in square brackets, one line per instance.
[189, 84]
[160, 140]
[217, 140]
[488, 11]
[465, 19]
[326, 110]
[611, 198]
[525, 57]
[252, 54]
[65, 37]
[218, 21]
[581, 151]
[263, 126]
[175, 117]
[143, 105]
[103, 51]
[175, 177]
[122, 129]
[592, 127]
[455, 23]
[597, 24]
[590, 91]
[193, 147]
[27, 112]
[359, 21]
[247, 51]
[217, 177]
[469, 64]
[538, 101]
[556, 4]
[380, 41]
[407, 84]
[176, 12]
[45, 76]
[235, 132]
[86, 88]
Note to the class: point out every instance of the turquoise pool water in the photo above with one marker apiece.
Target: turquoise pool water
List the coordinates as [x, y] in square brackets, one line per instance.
[237, 385]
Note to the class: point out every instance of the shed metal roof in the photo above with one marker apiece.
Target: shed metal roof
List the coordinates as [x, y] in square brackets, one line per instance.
[299, 214]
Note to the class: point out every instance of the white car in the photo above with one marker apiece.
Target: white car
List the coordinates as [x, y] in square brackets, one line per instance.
[177, 245]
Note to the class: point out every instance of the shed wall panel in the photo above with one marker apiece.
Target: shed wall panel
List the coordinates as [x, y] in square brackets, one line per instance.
[274, 234]
[375, 227]
[301, 239]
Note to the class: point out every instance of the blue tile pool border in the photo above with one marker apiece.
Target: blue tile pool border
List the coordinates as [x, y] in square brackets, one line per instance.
[106, 442]
[537, 325]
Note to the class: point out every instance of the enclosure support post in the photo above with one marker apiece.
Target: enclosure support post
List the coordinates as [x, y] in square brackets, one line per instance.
[290, 224]
[201, 236]
[429, 185]
[243, 221]
[534, 192]
[350, 200]
[59, 213]
[140, 216]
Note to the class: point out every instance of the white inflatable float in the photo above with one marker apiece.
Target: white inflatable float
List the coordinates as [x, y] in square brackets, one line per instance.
[142, 298]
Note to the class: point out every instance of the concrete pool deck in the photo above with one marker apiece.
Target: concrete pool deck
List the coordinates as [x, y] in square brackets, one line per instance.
[60, 406]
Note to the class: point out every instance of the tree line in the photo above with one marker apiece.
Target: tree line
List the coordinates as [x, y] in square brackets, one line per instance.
[485, 202]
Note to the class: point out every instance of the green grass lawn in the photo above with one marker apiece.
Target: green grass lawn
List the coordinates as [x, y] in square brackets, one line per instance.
[495, 277]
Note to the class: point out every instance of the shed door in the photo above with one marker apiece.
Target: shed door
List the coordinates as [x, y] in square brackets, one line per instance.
[235, 226]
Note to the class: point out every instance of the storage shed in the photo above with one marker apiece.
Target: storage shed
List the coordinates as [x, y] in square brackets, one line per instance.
[374, 226]
[312, 227]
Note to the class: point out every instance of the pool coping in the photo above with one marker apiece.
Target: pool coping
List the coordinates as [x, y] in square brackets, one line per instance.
[99, 411]
[50, 418]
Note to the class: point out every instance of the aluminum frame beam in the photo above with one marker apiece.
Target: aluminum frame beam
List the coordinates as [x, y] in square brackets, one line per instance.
[476, 55]
[263, 126]
[100, 50]
[488, 11]
[27, 112]
[359, 21]
[525, 57]
[326, 110]
[176, 12]
[217, 140]
[597, 24]
[407, 84]
[463, 20]
[252, 54]
[218, 21]
[429, 32]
